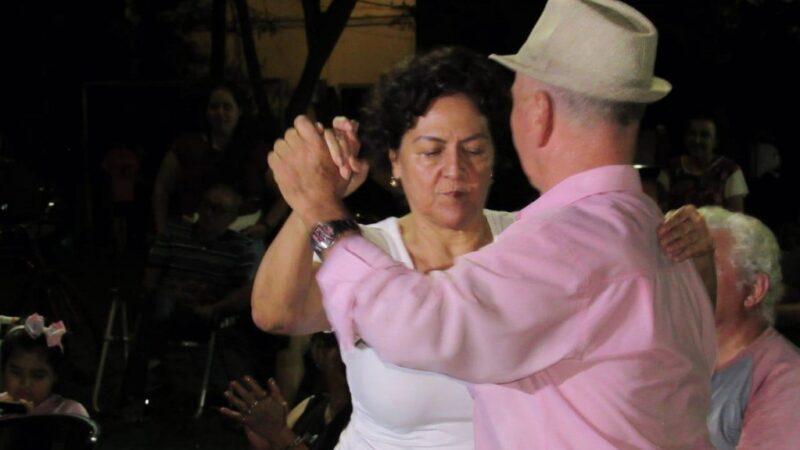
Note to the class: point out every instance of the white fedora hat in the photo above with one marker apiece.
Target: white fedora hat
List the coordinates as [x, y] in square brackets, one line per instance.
[600, 48]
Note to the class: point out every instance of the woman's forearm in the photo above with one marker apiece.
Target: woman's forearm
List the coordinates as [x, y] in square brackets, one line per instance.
[286, 298]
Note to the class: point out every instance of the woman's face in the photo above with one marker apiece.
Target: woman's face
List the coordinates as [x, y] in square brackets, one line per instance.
[29, 377]
[222, 111]
[444, 162]
[701, 139]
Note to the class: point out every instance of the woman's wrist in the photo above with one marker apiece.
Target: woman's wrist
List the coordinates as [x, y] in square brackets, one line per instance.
[286, 440]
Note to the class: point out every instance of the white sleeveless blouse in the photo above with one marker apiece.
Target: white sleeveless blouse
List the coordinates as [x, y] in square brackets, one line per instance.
[399, 408]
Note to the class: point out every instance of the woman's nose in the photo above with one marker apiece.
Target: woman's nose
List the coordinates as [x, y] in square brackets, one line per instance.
[452, 163]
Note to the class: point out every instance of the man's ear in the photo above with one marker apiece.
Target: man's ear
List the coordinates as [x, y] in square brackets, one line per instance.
[539, 117]
[758, 291]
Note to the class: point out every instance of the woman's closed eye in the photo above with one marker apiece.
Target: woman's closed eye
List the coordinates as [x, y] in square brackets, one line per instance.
[431, 152]
[475, 151]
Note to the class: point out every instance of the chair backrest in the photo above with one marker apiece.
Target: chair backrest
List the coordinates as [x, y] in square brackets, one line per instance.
[48, 432]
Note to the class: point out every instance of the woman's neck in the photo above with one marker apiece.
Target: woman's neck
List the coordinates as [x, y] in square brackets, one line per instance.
[696, 164]
[735, 337]
[220, 139]
[433, 247]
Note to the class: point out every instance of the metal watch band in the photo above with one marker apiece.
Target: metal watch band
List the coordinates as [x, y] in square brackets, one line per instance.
[325, 234]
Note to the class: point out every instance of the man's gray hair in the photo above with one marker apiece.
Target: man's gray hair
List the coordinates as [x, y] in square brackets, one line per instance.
[755, 250]
[588, 110]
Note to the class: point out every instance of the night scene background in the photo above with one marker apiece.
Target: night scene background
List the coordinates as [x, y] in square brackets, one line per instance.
[82, 78]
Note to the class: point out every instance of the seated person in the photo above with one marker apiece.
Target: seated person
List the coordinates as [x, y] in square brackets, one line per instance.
[703, 178]
[195, 272]
[756, 382]
[315, 423]
[32, 358]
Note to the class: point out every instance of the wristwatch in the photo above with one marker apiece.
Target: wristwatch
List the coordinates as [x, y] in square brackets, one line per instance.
[325, 234]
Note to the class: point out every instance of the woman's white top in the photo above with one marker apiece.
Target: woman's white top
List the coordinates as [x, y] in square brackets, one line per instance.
[399, 408]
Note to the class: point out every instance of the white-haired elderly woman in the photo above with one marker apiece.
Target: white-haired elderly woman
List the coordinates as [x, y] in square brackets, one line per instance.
[756, 382]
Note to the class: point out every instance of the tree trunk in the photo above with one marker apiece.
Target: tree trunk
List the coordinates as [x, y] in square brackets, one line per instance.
[218, 39]
[251, 58]
[322, 32]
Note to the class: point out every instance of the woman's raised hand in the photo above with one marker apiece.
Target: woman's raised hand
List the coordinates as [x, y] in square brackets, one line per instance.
[344, 146]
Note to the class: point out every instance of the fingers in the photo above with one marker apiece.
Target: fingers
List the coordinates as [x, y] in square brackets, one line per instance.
[231, 414]
[359, 165]
[698, 248]
[685, 223]
[336, 152]
[676, 218]
[255, 388]
[307, 131]
[682, 235]
[275, 392]
[236, 402]
[243, 393]
[348, 129]
[294, 141]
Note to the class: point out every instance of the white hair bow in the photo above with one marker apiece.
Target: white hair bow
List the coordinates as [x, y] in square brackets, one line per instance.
[34, 325]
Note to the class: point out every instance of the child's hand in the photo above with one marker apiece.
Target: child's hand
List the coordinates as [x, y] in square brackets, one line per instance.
[28, 405]
[6, 397]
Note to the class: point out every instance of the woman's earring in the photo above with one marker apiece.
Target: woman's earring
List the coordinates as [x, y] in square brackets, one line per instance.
[394, 182]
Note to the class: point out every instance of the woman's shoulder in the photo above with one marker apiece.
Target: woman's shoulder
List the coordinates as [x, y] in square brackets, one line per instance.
[499, 220]
[386, 235]
[380, 232]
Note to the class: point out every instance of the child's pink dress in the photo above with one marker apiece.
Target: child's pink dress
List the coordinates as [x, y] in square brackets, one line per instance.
[56, 404]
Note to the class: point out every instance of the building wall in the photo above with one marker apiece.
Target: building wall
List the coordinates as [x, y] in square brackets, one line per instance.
[376, 38]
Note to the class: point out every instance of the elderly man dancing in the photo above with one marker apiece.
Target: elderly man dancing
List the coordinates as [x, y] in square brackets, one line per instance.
[573, 329]
[756, 384]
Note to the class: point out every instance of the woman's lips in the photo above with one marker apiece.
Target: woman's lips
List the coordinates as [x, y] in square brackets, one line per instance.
[454, 194]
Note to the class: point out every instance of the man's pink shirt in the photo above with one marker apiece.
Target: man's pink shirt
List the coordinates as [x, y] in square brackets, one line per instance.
[573, 329]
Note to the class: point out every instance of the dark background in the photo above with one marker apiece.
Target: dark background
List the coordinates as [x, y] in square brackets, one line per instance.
[731, 59]
[80, 77]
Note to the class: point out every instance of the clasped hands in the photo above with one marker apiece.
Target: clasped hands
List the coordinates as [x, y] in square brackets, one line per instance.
[315, 168]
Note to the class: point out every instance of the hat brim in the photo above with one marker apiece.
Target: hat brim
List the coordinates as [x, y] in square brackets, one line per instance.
[657, 90]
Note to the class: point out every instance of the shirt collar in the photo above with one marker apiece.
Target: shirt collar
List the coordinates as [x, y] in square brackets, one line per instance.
[583, 184]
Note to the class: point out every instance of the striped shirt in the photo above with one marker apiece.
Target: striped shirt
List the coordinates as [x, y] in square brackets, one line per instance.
[201, 273]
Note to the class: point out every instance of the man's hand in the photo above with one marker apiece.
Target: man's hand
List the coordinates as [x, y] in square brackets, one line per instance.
[306, 175]
[684, 235]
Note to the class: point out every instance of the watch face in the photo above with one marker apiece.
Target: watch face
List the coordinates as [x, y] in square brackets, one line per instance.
[322, 235]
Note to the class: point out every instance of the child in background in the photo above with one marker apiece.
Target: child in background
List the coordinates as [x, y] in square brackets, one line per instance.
[32, 356]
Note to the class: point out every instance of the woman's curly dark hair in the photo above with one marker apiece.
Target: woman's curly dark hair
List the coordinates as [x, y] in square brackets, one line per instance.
[406, 92]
